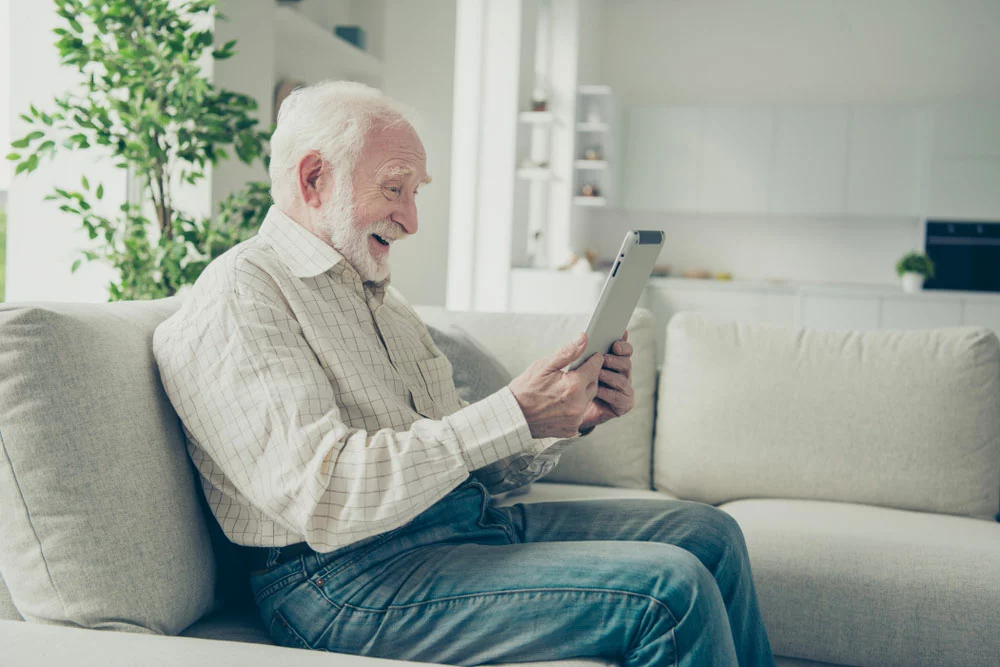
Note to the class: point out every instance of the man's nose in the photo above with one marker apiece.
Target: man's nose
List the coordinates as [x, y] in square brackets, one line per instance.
[406, 217]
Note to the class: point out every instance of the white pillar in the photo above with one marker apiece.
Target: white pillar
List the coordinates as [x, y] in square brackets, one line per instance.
[483, 163]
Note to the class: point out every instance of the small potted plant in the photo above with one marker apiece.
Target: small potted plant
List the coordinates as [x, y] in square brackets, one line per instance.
[914, 268]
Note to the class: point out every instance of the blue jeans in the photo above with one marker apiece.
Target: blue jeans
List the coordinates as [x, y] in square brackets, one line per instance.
[642, 582]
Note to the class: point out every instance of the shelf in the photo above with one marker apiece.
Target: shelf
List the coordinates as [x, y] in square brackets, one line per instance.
[308, 51]
[590, 201]
[535, 117]
[591, 164]
[535, 173]
[594, 89]
[592, 127]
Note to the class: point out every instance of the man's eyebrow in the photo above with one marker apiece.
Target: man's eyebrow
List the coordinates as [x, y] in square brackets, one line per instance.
[402, 172]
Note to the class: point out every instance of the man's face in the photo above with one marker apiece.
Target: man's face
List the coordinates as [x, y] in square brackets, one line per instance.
[382, 208]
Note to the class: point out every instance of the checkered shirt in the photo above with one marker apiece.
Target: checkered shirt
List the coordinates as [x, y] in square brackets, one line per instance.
[316, 406]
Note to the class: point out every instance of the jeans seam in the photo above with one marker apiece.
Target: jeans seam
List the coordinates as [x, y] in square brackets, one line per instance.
[516, 591]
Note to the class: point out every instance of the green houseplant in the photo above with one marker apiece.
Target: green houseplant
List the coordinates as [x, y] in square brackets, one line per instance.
[914, 268]
[146, 103]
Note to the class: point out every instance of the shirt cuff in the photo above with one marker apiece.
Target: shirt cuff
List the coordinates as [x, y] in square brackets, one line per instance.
[491, 429]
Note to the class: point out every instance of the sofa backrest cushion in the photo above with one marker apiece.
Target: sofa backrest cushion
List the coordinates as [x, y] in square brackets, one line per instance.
[906, 419]
[8, 612]
[100, 521]
[617, 453]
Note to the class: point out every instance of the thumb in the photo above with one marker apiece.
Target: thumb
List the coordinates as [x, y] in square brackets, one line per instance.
[567, 354]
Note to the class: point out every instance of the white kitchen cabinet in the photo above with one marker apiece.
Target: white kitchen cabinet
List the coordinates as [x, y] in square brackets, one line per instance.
[920, 313]
[965, 166]
[965, 187]
[810, 161]
[735, 160]
[662, 154]
[888, 160]
[982, 314]
[967, 130]
[840, 312]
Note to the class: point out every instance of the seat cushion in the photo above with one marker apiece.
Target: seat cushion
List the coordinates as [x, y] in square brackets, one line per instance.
[617, 453]
[100, 521]
[860, 585]
[905, 419]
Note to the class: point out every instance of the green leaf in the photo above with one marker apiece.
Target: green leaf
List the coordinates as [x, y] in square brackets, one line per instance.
[13, 156]
[76, 265]
[37, 134]
[100, 191]
[21, 143]
[85, 182]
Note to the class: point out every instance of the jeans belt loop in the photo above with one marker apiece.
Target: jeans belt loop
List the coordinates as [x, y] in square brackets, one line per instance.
[272, 556]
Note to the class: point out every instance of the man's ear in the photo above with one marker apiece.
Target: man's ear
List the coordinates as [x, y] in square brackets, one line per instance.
[313, 175]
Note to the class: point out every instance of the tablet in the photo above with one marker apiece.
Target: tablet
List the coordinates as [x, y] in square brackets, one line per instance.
[621, 291]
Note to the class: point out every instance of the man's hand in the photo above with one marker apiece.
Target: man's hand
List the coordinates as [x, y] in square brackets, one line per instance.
[553, 401]
[614, 395]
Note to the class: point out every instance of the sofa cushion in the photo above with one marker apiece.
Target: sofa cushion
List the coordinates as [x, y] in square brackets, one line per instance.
[617, 453]
[861, 585]
[8, 612]
[100, 522]
[475, 371]
[906, 419]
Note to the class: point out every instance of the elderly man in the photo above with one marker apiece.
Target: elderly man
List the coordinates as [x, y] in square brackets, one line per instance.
[331, 443]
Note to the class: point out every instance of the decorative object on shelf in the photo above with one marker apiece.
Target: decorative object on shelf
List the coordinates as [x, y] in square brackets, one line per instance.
[913, 268]
[284, 88]
[578, 264]
[592, 153]
[594, 113]
[723, 275]
[353, 34]
[589, 190]
[697, 274]
[539, 100]
[153, 111]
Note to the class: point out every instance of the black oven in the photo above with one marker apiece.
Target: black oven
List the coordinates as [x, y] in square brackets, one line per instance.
[966, 255]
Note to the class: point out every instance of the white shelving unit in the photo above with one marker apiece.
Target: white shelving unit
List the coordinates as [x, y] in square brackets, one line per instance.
[594, 132]
[307, 51]
[535, 117]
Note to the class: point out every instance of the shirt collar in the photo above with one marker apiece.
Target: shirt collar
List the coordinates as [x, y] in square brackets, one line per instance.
[305, 254]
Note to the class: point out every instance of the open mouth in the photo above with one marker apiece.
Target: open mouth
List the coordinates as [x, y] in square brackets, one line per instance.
[380, 240]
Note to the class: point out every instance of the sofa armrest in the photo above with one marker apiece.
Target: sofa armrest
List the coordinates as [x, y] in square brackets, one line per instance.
[55, 645]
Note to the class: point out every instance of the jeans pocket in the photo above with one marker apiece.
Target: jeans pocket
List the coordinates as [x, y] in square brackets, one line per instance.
[284, 634]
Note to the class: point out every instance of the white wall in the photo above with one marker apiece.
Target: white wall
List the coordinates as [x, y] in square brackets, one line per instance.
[418, 71]
[5, 55]
[42, 242]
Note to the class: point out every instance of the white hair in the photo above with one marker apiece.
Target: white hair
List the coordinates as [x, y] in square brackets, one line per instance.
[332, 118]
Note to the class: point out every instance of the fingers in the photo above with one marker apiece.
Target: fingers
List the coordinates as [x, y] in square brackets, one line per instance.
[567, 354]
[618, 364]
[617, 401]
[592, 367]
[622, 348]
[616, 381]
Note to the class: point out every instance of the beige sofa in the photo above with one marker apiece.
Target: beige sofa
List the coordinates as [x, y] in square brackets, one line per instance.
[864, 470]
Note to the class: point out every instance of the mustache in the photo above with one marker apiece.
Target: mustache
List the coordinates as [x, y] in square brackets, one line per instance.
[387, 229]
